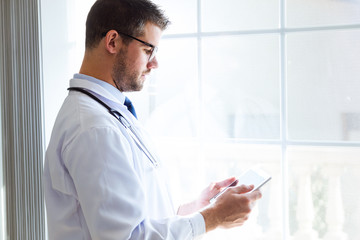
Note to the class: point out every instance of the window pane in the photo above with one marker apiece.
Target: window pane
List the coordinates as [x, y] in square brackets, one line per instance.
[322, 194]
[63, 44]
[182, 14]
[204, 162]
[170, 99]
[233, 15]
[323, 85]
[241, 92]
[301, 13]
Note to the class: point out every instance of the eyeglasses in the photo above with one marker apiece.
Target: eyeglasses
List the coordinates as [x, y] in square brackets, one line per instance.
[154, 49]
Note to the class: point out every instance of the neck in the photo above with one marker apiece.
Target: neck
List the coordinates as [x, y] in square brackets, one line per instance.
[96, 66]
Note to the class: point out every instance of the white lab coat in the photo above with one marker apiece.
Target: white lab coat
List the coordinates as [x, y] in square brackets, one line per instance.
[99, 185]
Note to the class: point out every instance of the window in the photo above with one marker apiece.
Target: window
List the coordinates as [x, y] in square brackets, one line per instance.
[63, 37]
[272, 83]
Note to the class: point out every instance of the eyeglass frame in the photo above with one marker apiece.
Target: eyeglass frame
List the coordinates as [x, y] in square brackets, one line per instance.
[154, 48]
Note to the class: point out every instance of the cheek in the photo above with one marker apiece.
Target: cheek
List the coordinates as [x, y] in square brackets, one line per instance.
[142, 60]
[137, 57]
[138, 64]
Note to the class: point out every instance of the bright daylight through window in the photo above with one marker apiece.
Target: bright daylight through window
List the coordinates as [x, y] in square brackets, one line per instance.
[243, 83]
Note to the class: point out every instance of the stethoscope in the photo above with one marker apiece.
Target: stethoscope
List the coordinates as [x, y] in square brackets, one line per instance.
[128, 127]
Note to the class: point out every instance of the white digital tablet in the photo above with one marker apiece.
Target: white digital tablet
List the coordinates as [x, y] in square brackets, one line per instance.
[255, 176]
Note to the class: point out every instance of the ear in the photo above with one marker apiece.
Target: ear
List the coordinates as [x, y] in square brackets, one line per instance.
[111, 43]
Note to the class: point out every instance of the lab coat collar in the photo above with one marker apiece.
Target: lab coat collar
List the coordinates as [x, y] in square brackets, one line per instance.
[105, 96]
[96, 88]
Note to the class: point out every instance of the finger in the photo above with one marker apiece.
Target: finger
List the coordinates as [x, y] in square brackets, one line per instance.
[225, 182]
[243, 188]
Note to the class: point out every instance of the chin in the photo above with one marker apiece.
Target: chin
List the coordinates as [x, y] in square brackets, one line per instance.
[136, 88]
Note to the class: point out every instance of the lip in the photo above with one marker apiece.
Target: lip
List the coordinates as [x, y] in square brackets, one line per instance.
[145, 75]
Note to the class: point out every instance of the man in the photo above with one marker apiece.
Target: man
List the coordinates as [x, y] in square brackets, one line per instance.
[102, 179]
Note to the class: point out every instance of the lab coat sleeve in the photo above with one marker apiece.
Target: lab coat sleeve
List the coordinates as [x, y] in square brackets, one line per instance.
[111, 194]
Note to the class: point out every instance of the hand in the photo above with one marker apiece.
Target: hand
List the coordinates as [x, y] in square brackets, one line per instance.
[231, 209]
[205, 196]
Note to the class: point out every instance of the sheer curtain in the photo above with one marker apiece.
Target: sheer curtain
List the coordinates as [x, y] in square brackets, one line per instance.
[21, 121]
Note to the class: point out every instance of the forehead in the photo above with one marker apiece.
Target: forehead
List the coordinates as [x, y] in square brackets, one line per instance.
[152, 34]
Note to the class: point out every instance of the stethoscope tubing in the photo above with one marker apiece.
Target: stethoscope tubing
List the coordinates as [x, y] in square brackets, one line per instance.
[128, 127]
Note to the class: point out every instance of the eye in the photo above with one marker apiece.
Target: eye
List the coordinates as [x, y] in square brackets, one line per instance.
[148, 51]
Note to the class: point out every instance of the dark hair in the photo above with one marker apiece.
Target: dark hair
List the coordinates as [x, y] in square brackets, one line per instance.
[127, 16]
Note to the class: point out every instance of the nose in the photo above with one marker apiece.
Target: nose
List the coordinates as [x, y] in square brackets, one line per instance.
[153, 64]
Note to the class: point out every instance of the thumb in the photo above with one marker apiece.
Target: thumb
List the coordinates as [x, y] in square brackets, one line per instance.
[217, 186]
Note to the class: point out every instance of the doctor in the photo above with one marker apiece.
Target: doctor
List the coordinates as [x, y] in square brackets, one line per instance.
[99, 182]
